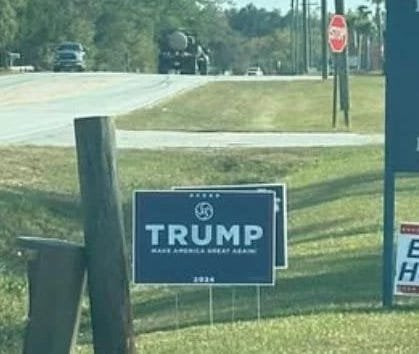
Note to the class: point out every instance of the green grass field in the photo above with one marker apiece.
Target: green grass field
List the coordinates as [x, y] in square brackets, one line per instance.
[328, 301]
[264, 106]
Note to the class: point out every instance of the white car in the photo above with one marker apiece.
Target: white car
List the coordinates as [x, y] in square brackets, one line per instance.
[254, 71]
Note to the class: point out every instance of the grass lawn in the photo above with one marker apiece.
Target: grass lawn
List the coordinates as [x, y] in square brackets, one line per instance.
[300, 106]
[328, 301]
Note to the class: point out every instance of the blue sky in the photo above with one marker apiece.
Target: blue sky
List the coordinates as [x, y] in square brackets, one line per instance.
[284, 5]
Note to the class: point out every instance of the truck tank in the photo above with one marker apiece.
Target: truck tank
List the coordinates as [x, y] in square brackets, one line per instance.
[181, 54]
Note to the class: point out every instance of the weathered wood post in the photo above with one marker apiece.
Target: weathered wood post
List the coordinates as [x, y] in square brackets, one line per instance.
[56, 280]
[104, 237]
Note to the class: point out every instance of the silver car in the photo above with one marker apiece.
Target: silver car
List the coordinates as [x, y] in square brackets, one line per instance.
[254, 71]
[70, 56]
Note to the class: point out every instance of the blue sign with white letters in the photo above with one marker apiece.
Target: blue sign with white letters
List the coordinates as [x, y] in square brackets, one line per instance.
[281, 238]
[214, 237]
[402, 71]
[402, 115]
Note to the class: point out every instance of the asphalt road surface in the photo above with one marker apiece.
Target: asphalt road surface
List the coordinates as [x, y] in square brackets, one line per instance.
[39, 109]
[33, 105]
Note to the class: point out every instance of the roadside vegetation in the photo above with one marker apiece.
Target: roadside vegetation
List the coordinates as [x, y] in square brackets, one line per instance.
[327, 301]
[299, 106]
[125, 35]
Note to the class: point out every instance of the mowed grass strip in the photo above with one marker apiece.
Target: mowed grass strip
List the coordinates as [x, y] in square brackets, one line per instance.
[364, 332]
[299, 106]
[327, 301]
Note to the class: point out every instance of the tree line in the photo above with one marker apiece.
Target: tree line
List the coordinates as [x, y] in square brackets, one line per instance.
[123, 35]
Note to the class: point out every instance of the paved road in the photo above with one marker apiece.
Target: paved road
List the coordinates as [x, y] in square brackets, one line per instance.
[34, 104]
[39, 108]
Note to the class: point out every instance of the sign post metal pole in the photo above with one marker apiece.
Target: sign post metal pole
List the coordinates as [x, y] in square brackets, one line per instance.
[177, 310]
[211, 306]
[233, 304]
[389, 199]
[388, 244]
[335, 88]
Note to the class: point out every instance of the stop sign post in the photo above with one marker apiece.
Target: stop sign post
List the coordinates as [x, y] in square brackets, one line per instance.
[338, 41]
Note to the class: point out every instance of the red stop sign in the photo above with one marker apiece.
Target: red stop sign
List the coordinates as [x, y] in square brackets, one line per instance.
[338, 34]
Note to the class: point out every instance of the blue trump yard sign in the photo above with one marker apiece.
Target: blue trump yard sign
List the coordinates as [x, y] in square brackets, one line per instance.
[281, 230]
[198, 237]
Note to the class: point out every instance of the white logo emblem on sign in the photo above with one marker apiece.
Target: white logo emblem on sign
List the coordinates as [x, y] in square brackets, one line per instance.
[204, 211]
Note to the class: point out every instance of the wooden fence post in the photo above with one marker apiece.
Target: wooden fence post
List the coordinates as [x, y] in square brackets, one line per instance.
[56, 281]
[104, 234]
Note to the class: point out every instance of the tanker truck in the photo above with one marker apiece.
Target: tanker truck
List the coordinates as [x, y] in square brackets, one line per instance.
[180, 53]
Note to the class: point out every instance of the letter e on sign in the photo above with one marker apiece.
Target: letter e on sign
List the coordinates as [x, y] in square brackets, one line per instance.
[413, 249]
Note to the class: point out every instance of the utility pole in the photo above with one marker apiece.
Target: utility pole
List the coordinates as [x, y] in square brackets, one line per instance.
[305, 38]
[297, 36]
[342, 64]
[380, 32]
[309, 30]
[292, 39]
[310, 25]
[324, 38]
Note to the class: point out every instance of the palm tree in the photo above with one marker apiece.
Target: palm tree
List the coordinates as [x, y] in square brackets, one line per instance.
[351, 18]
[365, 30]
[378, 19]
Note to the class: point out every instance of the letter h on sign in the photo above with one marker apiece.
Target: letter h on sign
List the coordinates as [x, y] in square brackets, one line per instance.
[406, 270]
